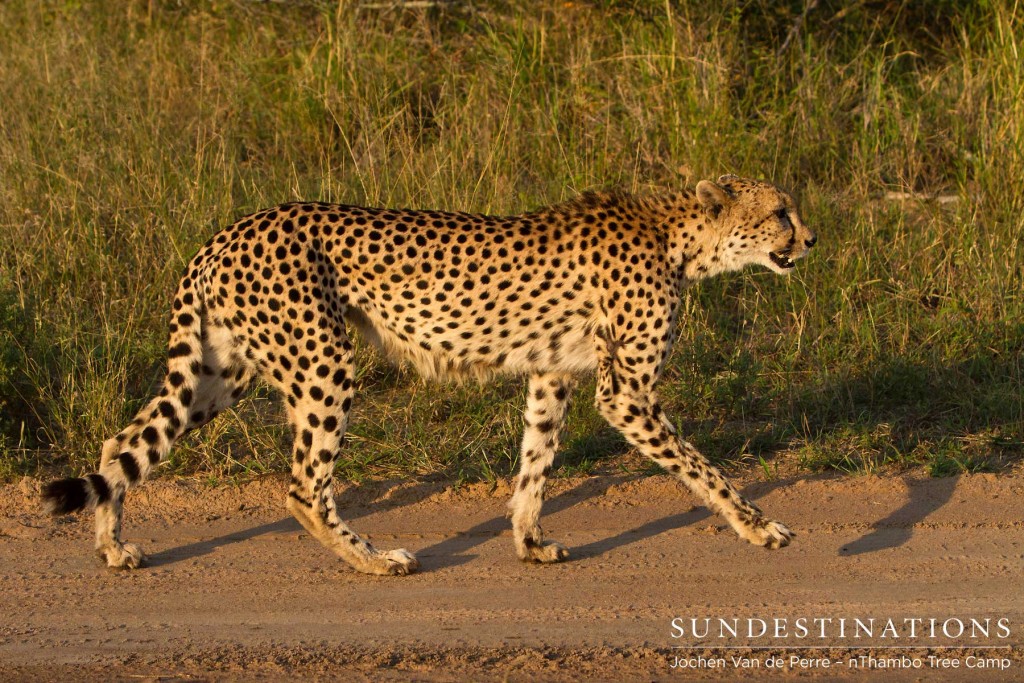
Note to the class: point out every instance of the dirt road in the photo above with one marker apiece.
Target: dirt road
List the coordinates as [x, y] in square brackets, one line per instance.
[236, 590]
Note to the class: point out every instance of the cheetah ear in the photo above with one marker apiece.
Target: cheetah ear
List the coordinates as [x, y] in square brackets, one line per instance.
[712, 197]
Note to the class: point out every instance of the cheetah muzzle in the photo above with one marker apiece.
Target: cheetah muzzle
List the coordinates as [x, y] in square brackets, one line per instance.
[592, 286]
[782, 260]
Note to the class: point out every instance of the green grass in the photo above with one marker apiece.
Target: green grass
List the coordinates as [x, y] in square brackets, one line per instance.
[131, 131]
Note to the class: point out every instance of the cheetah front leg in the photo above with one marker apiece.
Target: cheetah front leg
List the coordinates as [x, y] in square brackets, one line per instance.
[546, 401]
[626, 398]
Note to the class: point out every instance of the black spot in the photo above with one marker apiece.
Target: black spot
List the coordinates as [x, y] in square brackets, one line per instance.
[178, 350]
[299, 498]
[99, 486]
[129, 466]
[150, 435]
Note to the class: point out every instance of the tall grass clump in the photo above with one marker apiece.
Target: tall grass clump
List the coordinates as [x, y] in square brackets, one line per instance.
[131, 131]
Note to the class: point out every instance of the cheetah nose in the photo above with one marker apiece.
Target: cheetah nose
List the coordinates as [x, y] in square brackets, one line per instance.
[811, 242]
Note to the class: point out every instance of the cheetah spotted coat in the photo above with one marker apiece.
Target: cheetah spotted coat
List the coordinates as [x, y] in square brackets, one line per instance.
[591, 286]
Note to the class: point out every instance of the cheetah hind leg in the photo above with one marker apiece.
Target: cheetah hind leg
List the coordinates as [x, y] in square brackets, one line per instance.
[187, 400]
[323, 523]
[319, 410]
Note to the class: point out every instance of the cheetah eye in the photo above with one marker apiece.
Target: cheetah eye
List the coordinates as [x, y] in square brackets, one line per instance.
[782, 214]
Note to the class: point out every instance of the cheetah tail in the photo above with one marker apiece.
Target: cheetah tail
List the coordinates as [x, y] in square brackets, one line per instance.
[129, 456]
[64, 496]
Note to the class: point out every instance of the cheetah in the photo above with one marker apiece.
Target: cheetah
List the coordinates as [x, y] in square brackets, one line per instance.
[593, 285]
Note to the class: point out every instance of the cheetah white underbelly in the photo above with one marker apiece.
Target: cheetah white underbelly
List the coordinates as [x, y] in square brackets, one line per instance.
[449, 355]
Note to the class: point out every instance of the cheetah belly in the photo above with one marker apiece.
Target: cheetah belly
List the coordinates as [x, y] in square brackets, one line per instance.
[463, 349]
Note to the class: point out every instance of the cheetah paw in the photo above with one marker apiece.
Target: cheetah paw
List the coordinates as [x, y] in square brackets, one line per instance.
[122, 556]
[546, 552]
[398, 562]
[771, 535]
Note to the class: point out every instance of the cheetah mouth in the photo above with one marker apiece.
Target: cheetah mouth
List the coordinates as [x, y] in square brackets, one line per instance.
[782, 260]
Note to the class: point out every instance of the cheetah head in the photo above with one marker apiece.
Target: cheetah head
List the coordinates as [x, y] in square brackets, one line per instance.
[757, 223]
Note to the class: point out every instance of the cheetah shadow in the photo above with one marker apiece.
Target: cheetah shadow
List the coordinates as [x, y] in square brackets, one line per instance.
[410, 495]
[894, 530]
[925, 497]
[455, 551]
[200, 548]
[448, 553]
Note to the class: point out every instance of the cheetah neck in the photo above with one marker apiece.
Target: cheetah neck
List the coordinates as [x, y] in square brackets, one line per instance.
[693, 243]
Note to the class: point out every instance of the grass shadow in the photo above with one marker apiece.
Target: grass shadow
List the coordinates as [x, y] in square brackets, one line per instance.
[953, 407]
[952, 419]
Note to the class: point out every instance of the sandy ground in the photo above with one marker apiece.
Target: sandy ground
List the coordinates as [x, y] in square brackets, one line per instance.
[236, 590]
